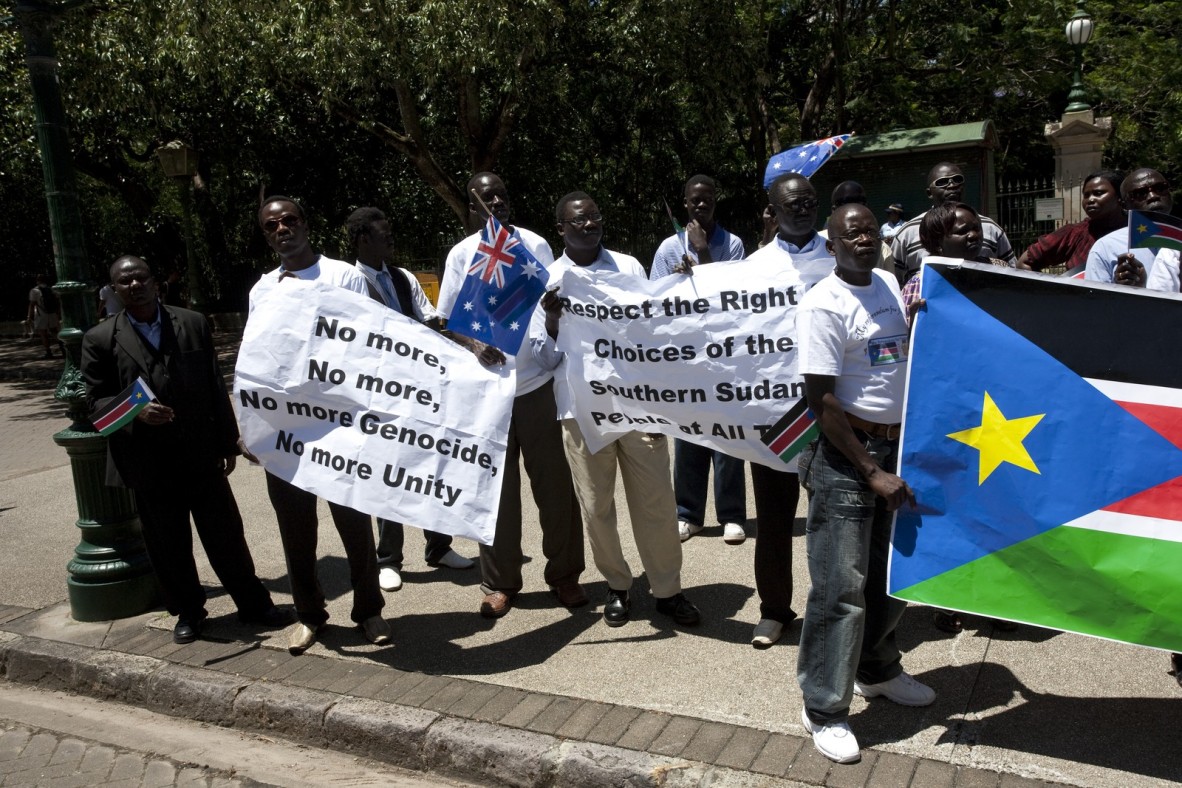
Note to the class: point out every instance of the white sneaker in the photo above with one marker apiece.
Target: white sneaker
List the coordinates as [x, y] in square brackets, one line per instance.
[902, 689]
[389, 579]
[835, 741]
[733, 533]
[453, 560]
[686, 530]
[767, 632]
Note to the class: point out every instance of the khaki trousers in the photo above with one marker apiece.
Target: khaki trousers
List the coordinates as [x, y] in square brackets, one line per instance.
[643, 460]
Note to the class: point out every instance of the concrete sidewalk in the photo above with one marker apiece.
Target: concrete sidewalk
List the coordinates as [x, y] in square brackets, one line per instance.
[547, 696]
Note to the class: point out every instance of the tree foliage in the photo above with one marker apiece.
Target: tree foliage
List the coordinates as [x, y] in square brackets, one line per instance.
[396, 102]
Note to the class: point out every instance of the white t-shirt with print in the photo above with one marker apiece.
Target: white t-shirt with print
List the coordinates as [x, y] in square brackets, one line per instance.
[857, 334]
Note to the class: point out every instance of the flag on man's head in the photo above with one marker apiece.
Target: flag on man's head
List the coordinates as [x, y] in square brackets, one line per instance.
[122, 408]
[503, 285]
[1149, 229]
[1046, 464]
[803, 159]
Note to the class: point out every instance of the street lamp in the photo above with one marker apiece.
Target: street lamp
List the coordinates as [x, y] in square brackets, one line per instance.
[110, 575]
[1079, 32]
[179, 162]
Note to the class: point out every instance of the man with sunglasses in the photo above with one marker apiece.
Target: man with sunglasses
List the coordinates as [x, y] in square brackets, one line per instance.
[1111, 259]
[852, 193]
[285, 227]
[534, 434]
[945, 184]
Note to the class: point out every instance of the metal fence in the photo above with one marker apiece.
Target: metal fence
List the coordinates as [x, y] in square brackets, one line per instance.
[1015, 209]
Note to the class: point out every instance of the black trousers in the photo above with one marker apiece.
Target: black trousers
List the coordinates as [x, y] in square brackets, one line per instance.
[164, 513]
[776, 496]
[391, 537]
[295, 509]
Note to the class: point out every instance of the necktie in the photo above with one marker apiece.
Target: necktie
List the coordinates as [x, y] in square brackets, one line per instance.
[388, 293]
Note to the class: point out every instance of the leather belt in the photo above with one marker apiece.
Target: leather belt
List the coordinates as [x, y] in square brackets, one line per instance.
[873, 428]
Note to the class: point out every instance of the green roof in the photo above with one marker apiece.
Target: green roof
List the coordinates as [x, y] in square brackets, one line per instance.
[978, 134]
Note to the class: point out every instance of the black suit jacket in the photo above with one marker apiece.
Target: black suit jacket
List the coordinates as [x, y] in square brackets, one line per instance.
[184, 375]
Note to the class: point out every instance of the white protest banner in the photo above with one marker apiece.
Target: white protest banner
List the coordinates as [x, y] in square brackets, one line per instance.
[364, 407]
[709, 357]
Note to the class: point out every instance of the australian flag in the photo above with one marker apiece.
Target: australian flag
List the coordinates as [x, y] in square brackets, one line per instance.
[503, 285]
[803, 159]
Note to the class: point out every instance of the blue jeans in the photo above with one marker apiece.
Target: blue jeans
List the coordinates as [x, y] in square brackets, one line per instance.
[691, 473]
[849, 621]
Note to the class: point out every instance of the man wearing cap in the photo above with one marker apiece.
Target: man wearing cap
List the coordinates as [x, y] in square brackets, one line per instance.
[890, 228]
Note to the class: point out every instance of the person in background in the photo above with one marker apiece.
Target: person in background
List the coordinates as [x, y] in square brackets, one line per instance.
[1111, 259]
[1069, 245]
[894, 222]
[373, 245]
[45, 313]
[703, 241]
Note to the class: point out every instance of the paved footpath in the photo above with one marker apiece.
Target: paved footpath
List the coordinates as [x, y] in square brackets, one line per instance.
[551, 697]
[57, 740]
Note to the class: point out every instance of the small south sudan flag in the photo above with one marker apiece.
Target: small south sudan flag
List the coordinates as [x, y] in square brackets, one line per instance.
[123, 408]
[794, 430]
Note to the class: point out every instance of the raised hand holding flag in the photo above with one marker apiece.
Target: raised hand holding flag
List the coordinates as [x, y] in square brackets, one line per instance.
[804, 159]
[503, 285]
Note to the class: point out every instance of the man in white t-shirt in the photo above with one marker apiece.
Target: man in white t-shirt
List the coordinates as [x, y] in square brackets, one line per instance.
[286, 229]
[534, 435]
[643, 458]
[853, 340]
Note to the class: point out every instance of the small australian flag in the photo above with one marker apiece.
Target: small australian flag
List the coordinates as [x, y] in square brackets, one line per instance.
[503, 285]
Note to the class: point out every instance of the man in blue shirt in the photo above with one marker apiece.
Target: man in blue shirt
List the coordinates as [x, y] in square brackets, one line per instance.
[1111, 259]
[703, 241]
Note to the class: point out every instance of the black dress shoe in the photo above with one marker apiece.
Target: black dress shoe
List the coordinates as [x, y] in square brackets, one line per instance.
[615, 612]
[679, 609]
[187, 629]
[273, 617]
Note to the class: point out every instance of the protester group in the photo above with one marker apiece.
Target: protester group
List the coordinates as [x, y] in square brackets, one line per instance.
[861, 278]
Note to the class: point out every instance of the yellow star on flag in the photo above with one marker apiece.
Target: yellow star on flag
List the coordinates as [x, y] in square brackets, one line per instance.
[999, 439]
[1142, 228]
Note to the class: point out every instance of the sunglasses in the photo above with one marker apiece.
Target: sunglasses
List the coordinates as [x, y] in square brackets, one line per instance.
[1161, 187]
[290, 220]
[948, 180]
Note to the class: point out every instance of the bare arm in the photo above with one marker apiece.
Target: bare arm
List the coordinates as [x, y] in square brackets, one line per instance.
[832, 421]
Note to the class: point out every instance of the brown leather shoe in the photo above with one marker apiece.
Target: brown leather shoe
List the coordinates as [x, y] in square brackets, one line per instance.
[570, 594]
[495, 604]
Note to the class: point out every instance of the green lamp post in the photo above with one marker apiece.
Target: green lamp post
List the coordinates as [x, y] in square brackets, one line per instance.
[110, 575]
[1079, 32]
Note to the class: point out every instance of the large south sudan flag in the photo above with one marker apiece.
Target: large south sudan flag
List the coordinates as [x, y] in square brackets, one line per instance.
[1043, 439]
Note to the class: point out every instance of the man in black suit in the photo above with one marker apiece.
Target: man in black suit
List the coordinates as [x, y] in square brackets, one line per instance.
[176, 454]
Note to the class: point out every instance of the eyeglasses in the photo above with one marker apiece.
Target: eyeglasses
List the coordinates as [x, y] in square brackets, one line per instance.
[857, 235]
[1161, 187]
[799, 206]
[583, 221]
[948, 180]
[288, 220]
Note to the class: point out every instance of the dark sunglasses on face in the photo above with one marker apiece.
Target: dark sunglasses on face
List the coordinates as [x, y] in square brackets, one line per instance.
[948, 180]
[290, 220]
[1161, 187]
